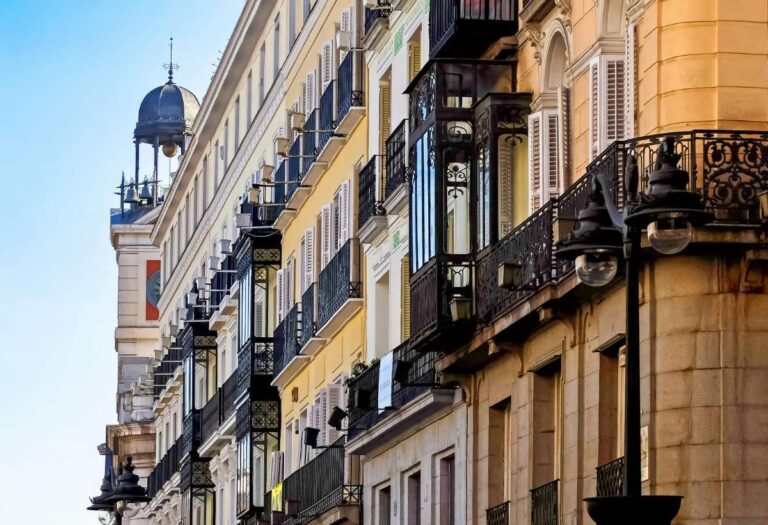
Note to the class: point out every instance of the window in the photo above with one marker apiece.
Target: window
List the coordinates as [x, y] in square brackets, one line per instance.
[546, 423]
[262, 69]
[499, 416]
[384, 506]
[205, 184]
[326, 65]
[291, 22]
[237, 123]
[405, 298]
[249, 99]
[611, 402]
[276, 53]
[307, 8]
[413, 499]
[225, 155]
[414, 55]
[447, 488]
[307, 259]
[195, 198]
[216, 157]
[385, 122]
[423, 238]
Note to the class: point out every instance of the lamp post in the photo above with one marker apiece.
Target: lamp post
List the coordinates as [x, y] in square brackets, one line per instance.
[115, 498]
[604, 234]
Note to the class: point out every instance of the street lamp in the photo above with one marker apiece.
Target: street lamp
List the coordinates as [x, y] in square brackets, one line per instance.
[668, 211]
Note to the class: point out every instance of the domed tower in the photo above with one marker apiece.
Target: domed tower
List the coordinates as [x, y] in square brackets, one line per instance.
[165, 121]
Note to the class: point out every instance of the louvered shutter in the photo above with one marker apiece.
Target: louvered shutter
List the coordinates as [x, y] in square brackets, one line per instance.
[315, 423]
[303, 268]
[594, 109]
[280, 294]
[405, 297]
[322, 418]
[385, 127]
[326, 64]
[325, 236]
[615, 107]
[346, 25]
[309, 93]
[277, 460]
[551, 181]
[630, 58]
[534, 162]
[334, 397]
[564, 136]
[414, 59]
[290, 284]
[258, 319]
[345, 214]
[309, 257]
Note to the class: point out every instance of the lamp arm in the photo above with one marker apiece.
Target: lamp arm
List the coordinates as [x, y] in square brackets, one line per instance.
[617, 217]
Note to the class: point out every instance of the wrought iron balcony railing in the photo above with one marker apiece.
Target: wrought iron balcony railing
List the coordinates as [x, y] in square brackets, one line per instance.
[327, 115]
[281, 189]
[368, 203]
[498, 515]
[164, 469]
[364, 411]
[210, 417]
[373, 15]
[339, 281]
[727, 168]
[219, 407]
[254, 359]
[349, 84]
[222, 281]
[544, 504]
[396, 149]
[610, 478]
[467, 27]
[293, 173]
[308, 314]
[319, 485]
[163, 373]
[287, 339]
[309, 140]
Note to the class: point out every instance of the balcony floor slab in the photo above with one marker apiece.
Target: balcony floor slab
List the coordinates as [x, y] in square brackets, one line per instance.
[340, 318]
[290, 371]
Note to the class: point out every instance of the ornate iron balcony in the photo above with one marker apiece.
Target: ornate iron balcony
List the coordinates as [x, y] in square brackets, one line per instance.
[498, 515]
[308, 314]
[287, 339]
[610, 478]
[294, 173]
[368, 204]
[339, 281]
[309, 140]
[544, 504]
[164, 469]
[327, 115]
[210, 417]
[163, 373]
[319, 486]
[349, 84]
[394, 163]
[465, 28]
[222, 281]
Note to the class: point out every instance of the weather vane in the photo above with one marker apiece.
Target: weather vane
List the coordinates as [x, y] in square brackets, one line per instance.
[170, 66]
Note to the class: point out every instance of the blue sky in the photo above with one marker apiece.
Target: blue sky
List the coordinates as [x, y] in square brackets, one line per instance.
[72, 76]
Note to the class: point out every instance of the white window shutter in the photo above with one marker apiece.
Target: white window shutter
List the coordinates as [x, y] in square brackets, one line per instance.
[277, 459]
[534, 161]
[346, 19]
[594, 108]
[615, 106]
[280, 294]
[334, 397]
[310, 102]
[630, 59]
[564, 134]
[326, 64]
[303, 268]
[345, 214]
[550, 182]
[325, 236]
[290, 284]
[322, 417]
[309, 257]
[258, 319]
[315, 418]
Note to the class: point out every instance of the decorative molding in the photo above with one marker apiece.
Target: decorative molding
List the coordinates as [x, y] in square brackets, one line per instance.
[532, 33]
[565, 10]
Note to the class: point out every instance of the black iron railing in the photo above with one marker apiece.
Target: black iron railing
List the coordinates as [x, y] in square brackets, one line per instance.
[433, 287]
[498, 515]
[364, 411]
[308, 309]
[164, 469]
[227, 395]
[210, 417]
[544, 504]
[343, 495]
[293, 172]
[339, 281]
[610, 478]
[349, 93]
[309, 140]
[280, 189]
[464, 19]
[168, 365]
[316, 481]
[395, 158]
[379, 12]
[327, 116]
[287, 339]
[222, 281]
[368, 203]
[529, 246]
[254, 359]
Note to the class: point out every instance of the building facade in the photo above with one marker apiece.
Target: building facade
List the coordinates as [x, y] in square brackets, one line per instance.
[363, 318]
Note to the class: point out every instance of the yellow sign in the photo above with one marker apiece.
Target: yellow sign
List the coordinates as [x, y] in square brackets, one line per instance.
[277, 497]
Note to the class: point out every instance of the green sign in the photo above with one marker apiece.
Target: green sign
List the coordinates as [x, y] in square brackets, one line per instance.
[398, 43]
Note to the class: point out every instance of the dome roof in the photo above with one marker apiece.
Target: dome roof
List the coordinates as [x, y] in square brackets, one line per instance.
[167, 111]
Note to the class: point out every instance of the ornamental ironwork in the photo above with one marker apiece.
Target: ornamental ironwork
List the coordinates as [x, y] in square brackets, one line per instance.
[308, 314]
[349, 84]
[610, 478]
[498, 515]
[368, 203]
[544, 504]
[395, 153]
[339, 281]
